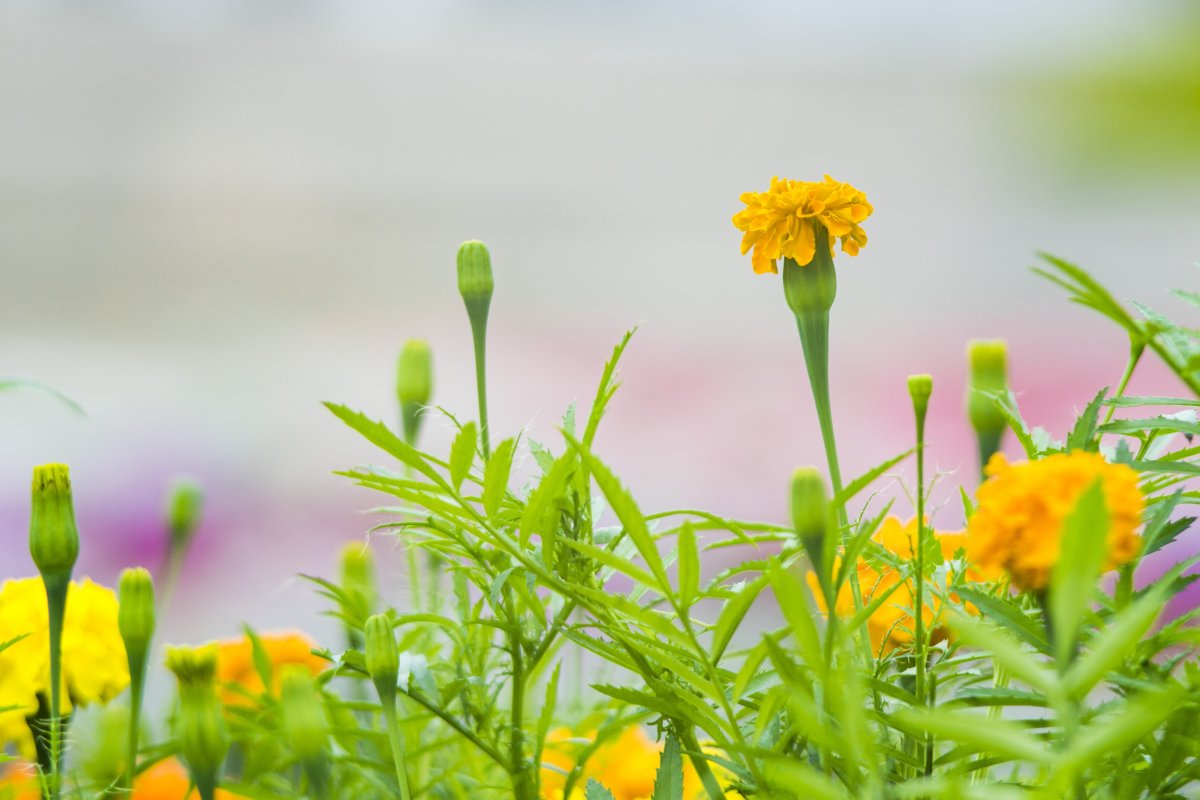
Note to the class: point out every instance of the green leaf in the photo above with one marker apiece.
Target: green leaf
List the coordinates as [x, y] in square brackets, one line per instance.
[668, 783]
[549, 706]
[1161, 424]
[793, 602]
[800, 781]
[1083, 435]
[1129, 401]
[1083, 551]
[732, 614]
[689, 565]
[26, 383]
[604, 392]
[462, 453]
[1116, 642]
[378, 434]
[982, 734]
[1005, 650]
[541, 501]
[259, 656]
[1006, 404]
[496, 475]
[1113, 732]
[1000, 611]
[862, 481]
[596, 791]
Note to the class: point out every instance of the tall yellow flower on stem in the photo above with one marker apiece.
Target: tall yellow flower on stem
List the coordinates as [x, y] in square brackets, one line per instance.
[1018, 525]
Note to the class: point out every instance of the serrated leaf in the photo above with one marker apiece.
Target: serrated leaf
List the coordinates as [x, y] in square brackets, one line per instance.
[986, 735]
[462, 453]
[1083, 434]
[1159, 424]
[1000, 611]
[496, 476]
[381, 436]
[1081, 558]
[1005, 650]
[596, 791]
[1112, 646]
[1006, 404]
[862, 481]
[668, 783]
[793, 602]
[541, 502]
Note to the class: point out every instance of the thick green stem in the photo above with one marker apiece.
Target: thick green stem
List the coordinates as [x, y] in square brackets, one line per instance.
[989, 445]
[56, 604]
[814, 339]
[919, 585]
[137, 686]
[393, 729]
[523, 788]
[206, 785]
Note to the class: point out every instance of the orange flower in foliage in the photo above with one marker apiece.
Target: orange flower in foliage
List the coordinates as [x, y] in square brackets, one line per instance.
[235, 663]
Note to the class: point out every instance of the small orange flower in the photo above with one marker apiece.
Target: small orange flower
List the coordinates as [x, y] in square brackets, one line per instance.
[783, 221]
[1022, 507]
[235, 663]
[168, 780]
[891, 625]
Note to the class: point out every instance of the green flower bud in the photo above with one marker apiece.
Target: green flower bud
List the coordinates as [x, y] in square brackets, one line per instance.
[200, 726]
[184, 504]
[414, 373]
[135, 618]
[304, 719]
[920, 387]
[382, 656]
[475, 281]
[988, 374]
[414, 385]
[53, 537]
[810, 516]
[811, 288]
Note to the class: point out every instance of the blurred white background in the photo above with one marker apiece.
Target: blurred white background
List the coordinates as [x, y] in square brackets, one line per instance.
[215, 215]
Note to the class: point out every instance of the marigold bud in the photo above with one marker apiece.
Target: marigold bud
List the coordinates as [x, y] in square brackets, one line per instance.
[812, 287]
[184, 505]
[475, 281]
[135, 617]
[988, 374]
[920, 387]
[414, 372]
[200, 727]
[382, 655]
[810, 515]
[53, 537]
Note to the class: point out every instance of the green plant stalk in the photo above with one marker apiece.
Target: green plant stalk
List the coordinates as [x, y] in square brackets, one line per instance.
[137, 688]
[925, 744]
[988, 444]
[687, 737]
[479, 335]
[206, 785]
[56, 604]
[393, 729]
[522, 788]
[1136, 348]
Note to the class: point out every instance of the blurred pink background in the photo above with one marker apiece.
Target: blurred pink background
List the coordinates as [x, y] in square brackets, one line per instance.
[214, 216]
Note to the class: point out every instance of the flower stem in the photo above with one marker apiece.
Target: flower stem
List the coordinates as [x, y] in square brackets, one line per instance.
[522, 790]
[1136, 348]
[393, 729]
[137, 686]
[924, 746]
[814, 339]
[56, 604]
[479, 334]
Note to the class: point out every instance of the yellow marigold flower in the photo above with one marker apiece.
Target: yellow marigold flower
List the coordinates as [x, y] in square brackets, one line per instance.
[94, 664]
[1018, 524]
[891, 625]
[626, 765]
[235, 662]
[783, 221]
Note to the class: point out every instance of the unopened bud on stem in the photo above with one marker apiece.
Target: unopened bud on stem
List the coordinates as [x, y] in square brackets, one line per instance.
[53, 537]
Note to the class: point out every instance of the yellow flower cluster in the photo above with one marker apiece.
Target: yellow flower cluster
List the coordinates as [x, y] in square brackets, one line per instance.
[93, 655]
[626, 766]
[783, 221]
[1018, 524]
[891, 625]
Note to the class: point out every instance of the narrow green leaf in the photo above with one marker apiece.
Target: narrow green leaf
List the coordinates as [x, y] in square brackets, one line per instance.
[1116, 642]
[378, 434]
[541, 500]
[1165, 424]
[863, 481]
[1129, 401]
[1083, 550]
[1004, 613]
[793, 602]
[462, 453]
[605, 390]
[668, 783]
[496, 474]
[732, 614]
[980, 733]
[1112, 733]
[689, 565]
[549, 706]
[26, 383]
[1005, 650]
[1006, 404]
[800, 780]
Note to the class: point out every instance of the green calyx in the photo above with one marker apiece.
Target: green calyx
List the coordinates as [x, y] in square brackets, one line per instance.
[920, 388]
[53, 536]
[811, 288]
[475, 282]
[989, 374]
[382, 655]
[135, 617]
[414, 385]
[200, 726]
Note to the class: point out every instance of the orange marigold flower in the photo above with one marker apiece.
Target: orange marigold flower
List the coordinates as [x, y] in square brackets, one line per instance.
[166, 780]
[783, 221]
[1018, 524]
[235, 663]
[626, 766]
[891, 625]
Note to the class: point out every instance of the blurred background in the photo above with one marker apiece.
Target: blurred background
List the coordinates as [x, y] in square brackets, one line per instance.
[215, 215]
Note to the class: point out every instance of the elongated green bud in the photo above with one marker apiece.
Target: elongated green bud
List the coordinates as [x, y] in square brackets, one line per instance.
[184, 505]
[811, 288]
[920, 388]
[475, 282]
[135, 618]
[200, 727]
[304, 719]
[811, 518]
[414, 385]
[53, 537]
[988, 361]
[382, 655]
